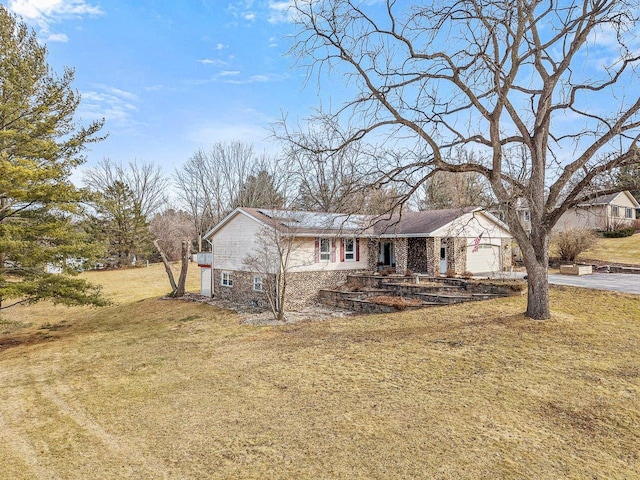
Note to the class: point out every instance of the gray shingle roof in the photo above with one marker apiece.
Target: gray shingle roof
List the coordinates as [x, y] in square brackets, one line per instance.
[321, 223]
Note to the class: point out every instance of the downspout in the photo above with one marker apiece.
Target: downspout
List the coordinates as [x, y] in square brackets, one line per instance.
[277, 273]
[211, 268]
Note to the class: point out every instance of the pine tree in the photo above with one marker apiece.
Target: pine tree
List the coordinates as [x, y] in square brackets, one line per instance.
[40, 144]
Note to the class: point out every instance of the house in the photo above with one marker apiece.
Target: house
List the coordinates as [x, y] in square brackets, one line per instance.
[326, 247]
[606, 212]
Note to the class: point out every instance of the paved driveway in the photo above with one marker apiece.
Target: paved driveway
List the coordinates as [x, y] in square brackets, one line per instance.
[618, 282]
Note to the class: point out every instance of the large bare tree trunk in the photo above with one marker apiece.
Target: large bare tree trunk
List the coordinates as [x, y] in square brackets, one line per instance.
[538, 292]
[182, 280]
[536, 260]
[167, 267]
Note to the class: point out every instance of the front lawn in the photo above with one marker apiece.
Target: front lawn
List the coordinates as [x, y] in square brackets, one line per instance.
[152, 388]
[620, 250]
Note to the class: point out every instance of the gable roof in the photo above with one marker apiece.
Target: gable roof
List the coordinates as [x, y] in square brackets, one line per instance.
[308, 224]
[419, 223]
[610, 198]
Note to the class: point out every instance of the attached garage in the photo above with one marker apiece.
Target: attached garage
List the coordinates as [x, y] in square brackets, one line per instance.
[486, 258]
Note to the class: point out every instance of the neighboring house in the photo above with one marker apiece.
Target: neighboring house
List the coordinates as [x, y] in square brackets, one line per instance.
[326, 247]
[608, 212]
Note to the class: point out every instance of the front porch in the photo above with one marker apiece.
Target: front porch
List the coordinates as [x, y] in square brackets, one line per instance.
[432, 256]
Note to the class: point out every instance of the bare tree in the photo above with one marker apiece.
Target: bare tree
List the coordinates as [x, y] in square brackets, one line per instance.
[545, 92]
[146, 181]
[453, 190]
[328, 179]
[171, 227]
[272, 259]
[177, 289]
[211, 183]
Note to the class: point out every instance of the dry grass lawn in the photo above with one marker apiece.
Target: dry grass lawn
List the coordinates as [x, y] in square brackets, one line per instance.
[152, 388]
[621, 250]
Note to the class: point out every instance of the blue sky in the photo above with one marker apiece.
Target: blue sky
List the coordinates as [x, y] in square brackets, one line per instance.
[171, 77]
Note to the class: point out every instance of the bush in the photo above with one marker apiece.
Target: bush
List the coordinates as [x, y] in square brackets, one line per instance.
[620, 232]
[571, 242]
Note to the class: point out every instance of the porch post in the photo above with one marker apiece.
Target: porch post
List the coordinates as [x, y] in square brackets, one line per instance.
[401, 251]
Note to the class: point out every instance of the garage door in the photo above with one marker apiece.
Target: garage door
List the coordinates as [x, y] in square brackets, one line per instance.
[484, 260]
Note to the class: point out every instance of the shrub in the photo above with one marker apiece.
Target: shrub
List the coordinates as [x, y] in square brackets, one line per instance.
[620, 232]
[571, 242]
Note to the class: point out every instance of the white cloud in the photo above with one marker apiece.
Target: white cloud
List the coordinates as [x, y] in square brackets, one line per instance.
[44, 13]
[51, 10]
[279, 11]
[258, 78]
[242, 10]
[117, 106]
[220, 46]
[57, 37]
[206, 61]
[229, 73]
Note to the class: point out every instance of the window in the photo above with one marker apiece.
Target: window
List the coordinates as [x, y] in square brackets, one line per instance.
[257, 284]
[349, 249]
[325, 250]
[527, 215]
[615, 211]
[226, 280]
[628, 213]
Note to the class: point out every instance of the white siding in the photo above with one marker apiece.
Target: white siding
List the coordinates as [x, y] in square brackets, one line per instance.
[599, 217]
[471, 225]
[234, 241]
[303, 258]
[593, 217]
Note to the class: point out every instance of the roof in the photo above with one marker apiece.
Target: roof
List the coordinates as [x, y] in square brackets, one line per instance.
[301, 223]
[416, 223]
[607, 199]
[308, 224]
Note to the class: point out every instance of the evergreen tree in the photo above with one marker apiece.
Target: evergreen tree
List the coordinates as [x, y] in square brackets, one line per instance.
[259, 191]
[119, 225]
[40, 144]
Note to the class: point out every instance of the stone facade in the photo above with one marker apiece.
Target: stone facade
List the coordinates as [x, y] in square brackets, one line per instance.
[433, 256]
[460, 255]
[400, 246]
[417, 260]
[303, 287]
[242, 290]
[456, 255]
[507, 254]
[373, 246]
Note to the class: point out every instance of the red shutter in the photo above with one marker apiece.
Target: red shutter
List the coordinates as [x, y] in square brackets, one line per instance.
[333, 249]
[342, 249]
[317, 254]
[357, 249]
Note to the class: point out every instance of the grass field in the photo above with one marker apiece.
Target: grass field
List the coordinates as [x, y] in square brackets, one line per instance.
[151, 388]
[621, 250]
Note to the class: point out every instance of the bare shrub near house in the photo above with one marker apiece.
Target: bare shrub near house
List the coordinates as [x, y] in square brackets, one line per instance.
[271, 259]
[571, 242]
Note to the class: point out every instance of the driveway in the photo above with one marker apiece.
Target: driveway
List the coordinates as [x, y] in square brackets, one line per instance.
[617, 282]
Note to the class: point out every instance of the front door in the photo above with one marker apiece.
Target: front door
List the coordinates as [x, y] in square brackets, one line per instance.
[387, 256]
[443, 259]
